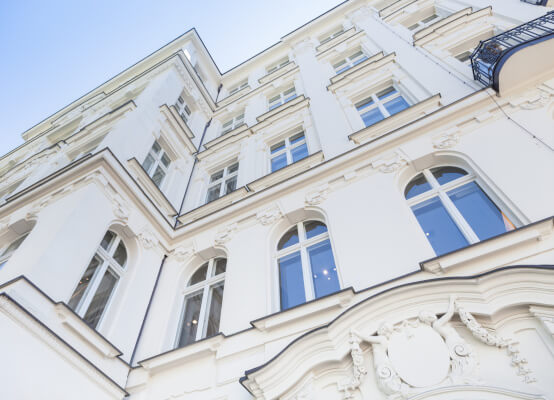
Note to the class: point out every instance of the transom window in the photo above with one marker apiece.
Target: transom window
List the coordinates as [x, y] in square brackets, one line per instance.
[222, 182]
[453, 210]
[156, 164]
[425, 22]
[97, 285]
[306, 264]
[183, 109]
[288, 151]
[203, 299]
[328, 38]
[379, 106]
[12, 247]
[281, 98]
[238, 87]
[279, 64]
[350, 61]
[233, 123]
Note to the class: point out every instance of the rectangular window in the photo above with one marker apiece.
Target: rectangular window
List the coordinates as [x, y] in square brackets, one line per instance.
[281, 98]
[279, 64]
[156, 164]
[233, 123]
[425, 22]
[288, 151]
[331, 36]
[183, 109]
[238, 87]
[349, 61]
[222, 182]
[464, 57]
[381, 105]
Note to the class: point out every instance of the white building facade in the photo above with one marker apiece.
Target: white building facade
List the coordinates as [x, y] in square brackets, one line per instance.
[364, 210]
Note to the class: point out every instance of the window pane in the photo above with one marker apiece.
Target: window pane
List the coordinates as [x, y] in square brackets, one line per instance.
[84, 282]
[441, 231]
[100, 299]
[447, 174]
[218, 175]
[165, 160]
[277, 147]
[14, 246]
[273, 99]
[292, 283]
[288, 91]
[372, 116]
[300, 152]
[297, 138]
[290, 238]
[120, 254]
[107, 240]
[158, 176]
[417, 186]
[215, 310]
[364, 103]
[359, 60]
[479, 211]
[230, 185]
[233, 168]
[148, 162]
[213, 193]
[396, 105]
[199, 275]
[386, 93]
[278, 162]
[156, 147]
[429, 19]
[414, 26]
[220, 265]
[191, 314]
[324, 271]
[339, 64]
[314, 228]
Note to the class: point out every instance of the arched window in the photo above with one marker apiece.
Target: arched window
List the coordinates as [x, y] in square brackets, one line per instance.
[306, 264]
[96, 286]
[10, 249]
[453, 210]
[203, 301]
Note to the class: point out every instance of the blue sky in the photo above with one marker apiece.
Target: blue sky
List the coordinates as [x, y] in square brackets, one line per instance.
[55, 51]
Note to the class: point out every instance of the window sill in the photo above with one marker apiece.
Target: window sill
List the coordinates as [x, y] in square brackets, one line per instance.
[229, 137]
[397, 120]
[529, 234]
[150, 188]
[386, 12]
[179, 126]
[336, 40]
[229, 99]
[355, 73]
[213, 206]
[287, 172]
[277, 73]
[297, 100]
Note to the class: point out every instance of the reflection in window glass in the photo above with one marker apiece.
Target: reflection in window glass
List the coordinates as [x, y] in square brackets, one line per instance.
[417, 186]
[314, 228]
[215, 310]
[444, 175]
[292, 283]
[324, 271]
[100, 299]
[290, 238]
[191, 316]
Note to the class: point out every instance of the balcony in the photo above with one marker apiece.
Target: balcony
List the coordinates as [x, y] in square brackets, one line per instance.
[490, 56]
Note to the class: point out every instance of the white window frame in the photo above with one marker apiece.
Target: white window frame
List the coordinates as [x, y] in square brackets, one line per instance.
[302, 246]
[277, 65]
[221, 182]
[441, 191]
[288, 148]
[328, 37]
[425, 22]
[232, 123]
[377, 103]
[204, 286]
[350, 61]
[107, 263]
[158, 157]
[10, 249]
[466, 61]
[183, 109]
[238, 87]
[276, 102]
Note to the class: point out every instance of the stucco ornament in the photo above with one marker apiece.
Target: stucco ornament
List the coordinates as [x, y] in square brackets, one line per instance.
[180, 254]
[318, 196]
[358, 369]
[390, 164]
[447, 140]
[269, 216]
[147, 239]
[226, 234]
[492, 339]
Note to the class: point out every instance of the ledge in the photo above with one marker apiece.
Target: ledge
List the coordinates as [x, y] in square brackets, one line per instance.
[371, 64]
[277, 73]
[287, 172]
[229, 99]
[419, 35]
[213, 206]
[394, 7]
[347, 34]
[179, 126]
[150, 188]
[212, 144]
[397, 120]
[282, 107]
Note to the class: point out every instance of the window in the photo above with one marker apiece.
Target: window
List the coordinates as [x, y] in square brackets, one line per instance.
[350, 61]
[306, 264]
[202, 303]
[381, 105]
[453, 210]
[156, 164]
[464, 57]
[288, 151]
[97, 285]
[238, 87]
[425, 22]
[279, 64]
[233, 123]
[8, 251]
[222, 182]
[328, 38]
[281, 98]
[183, 109]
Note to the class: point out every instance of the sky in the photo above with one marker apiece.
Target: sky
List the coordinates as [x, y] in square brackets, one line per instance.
[53, 52]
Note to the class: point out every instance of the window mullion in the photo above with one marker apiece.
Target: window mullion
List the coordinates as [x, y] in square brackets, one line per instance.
[307, 274]
[458, 218]
[202, 315]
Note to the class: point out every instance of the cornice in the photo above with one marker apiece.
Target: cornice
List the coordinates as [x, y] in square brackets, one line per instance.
[286, 106]
[179, 126]
[213, 206]
[347, 34]
[368, 66]
[421, 34]
[278, 72]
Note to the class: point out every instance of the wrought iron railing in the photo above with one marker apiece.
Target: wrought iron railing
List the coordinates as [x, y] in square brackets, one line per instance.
[486, 56]
[536, 2]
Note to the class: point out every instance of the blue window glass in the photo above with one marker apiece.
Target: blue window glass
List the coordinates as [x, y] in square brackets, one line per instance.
[447, 174]
[290, 238]
[396, 105]
[440, 229]
[417, 186]
[386, 93]
[359, 60]
[479, 211]
[292, 282]
[314, 228]
[300, 152]
[278, 162]
[324, 271]
[372, 116]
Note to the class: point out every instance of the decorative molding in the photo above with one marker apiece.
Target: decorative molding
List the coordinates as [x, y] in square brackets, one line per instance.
[448, 139]
[492, 339]
[318, 196]
[148, 240]
[269, 216]
[226, 234]
[180, 254]
[358, 369]
[390, 164]
[545, 315]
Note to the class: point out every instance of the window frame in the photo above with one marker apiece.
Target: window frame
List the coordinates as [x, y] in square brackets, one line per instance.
[241, 85]
[330, 36]
[157, 163]
[205, 287]
[419, 25]
[349, 61]
[277, 65]
[379, 103]
[287, 149]
[5, 255]
[183, 109]
[234, 123]
[271, 105]
[221, 182]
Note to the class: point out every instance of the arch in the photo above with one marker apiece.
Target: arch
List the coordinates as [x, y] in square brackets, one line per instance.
[12, 237]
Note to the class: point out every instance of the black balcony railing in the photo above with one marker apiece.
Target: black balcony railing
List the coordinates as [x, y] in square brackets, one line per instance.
[536, 2]
[486, 57]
